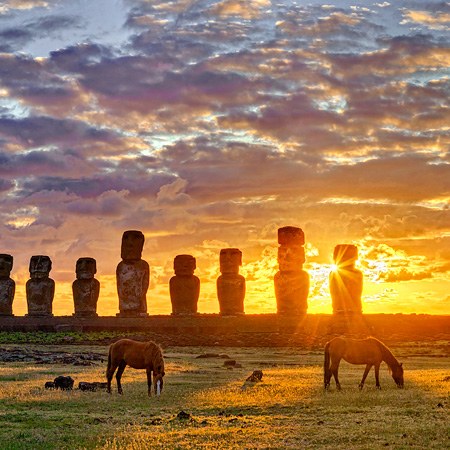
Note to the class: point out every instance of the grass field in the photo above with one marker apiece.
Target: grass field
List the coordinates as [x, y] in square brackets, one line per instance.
[288, 409]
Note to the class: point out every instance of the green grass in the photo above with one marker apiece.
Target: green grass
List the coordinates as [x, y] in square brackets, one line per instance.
[289, 409]
[44, 338]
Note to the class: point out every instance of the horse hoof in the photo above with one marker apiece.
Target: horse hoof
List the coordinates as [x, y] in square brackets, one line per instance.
[360, 386]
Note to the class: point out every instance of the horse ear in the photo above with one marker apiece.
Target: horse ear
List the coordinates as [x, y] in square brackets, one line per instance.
[401, 364]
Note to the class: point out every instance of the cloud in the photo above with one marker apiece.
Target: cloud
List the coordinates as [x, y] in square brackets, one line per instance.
[437, 21]
[8, 5]
[173, 194]
[251, 10]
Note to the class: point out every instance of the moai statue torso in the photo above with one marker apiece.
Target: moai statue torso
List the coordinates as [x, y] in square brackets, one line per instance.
[231, 285]
[40, 288]
[291, 282]
[85, 288]
[7, 285]
[184, 286]
[346, 282]
[133, 276]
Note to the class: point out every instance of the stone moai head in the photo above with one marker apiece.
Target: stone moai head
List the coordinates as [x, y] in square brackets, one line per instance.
[291, 258]
[86, 268]
[6, 264]
[132, 245]
[40, 266]
[291, 236]
[230, 260]
[291, 253]
[345, 255]
[184, 265]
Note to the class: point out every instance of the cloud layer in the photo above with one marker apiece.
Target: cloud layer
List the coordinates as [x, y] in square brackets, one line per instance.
[209, 124]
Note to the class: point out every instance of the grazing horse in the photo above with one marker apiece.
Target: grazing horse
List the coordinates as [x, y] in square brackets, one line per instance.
[139, 355]
[370, 352]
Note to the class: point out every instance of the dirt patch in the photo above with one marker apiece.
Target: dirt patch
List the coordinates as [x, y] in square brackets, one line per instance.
[50, 357]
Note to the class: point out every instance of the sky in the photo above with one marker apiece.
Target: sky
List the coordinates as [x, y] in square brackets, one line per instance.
[210, 124]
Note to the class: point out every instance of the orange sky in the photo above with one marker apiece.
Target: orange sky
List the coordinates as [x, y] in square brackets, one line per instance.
[208, 125]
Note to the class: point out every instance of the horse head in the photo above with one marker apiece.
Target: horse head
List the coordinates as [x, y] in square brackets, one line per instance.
[397, 375]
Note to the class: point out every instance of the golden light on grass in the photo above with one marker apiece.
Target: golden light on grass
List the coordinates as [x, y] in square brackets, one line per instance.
[280, 387]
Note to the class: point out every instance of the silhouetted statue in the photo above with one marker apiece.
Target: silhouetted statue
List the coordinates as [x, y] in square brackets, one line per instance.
[40, 288]
[184, 286]
[231, 285]
[346, 282]
[291, 282]
[7, 285]
[133, 276]
[86, 288]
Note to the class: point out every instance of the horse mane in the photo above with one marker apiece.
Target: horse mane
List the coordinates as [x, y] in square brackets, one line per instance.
[387, 355]
[155, 352]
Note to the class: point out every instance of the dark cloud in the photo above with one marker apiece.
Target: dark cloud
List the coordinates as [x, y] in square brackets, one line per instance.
[5, 185]
[14, 38]
[51, 23]
[92, 187]
[40, 131]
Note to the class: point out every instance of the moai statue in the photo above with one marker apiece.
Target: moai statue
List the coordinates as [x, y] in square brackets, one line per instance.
[40, 288]
[184, 286]
[291, 281]
[7, 285]
[346, 282]
[86, 288]
[231, 285]
[133, 276]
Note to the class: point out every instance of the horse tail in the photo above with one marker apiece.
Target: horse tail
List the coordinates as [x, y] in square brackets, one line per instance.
[326, 365]
[109, 362]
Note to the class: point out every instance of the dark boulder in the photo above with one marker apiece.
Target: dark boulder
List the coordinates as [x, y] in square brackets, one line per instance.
[63, 383]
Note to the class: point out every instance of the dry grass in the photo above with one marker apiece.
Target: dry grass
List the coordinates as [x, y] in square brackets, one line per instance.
[289, 409]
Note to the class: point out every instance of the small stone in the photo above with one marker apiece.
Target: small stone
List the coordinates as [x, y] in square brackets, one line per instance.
[182, 415]
[255, 376]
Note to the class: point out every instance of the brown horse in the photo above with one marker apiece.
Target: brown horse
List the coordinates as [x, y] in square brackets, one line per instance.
[138, 355]
[370, 352]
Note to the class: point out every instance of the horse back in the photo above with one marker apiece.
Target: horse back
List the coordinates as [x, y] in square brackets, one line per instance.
[136, 354]
[356, 351]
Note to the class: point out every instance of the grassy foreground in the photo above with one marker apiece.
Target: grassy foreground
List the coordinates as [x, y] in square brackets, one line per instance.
[288, 409]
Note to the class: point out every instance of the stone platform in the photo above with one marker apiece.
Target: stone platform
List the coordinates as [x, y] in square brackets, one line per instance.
[257, 329]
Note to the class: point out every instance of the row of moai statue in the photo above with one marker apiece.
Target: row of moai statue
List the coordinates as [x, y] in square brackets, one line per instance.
[133, 277]
[292, 282]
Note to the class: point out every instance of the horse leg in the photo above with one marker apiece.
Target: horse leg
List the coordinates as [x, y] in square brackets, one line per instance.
[368, 367]
[109, 375]
[149, 382]
[327, 378]
[326, 367]
[377, 377]
[334, 368]
[119, 373]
